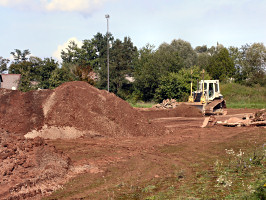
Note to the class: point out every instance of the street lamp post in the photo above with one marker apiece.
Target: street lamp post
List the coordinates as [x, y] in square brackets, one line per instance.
[107, 17]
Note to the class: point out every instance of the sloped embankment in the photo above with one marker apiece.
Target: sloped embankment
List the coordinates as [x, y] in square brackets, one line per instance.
[71, 110]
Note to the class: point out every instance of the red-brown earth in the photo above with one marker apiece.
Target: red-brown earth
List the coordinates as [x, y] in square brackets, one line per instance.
[95, 141]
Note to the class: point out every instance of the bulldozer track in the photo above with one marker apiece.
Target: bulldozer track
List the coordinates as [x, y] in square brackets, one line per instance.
[210, 107]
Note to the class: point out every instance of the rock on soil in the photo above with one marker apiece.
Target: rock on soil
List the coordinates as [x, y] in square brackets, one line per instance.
[167, 103]
[29, 167]
[74, 108]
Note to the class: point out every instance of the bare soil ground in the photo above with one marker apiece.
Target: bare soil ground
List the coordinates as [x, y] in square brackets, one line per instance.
[125, 163]
[121, 149]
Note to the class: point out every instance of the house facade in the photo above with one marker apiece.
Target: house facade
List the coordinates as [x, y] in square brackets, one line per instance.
[10, 81]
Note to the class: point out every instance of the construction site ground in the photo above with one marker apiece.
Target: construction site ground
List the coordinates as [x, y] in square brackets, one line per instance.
[126, 164]
[119, 168]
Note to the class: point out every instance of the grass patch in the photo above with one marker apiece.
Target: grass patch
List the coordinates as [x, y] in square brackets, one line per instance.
[76, 186]
[240, 96]
[240, 175]
[172, 149]
[236, 95]
[237, 175]
[142, 104]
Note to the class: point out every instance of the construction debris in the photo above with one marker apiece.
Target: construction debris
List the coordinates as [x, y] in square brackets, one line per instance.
[260, 115]
[167, 103]
[255, 119]
[209, 121]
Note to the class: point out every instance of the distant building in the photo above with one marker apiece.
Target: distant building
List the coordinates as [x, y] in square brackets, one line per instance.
[129, 78]
[34, 83]
[10, 81]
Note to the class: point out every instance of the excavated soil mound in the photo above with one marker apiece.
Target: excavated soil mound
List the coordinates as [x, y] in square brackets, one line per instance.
[21, 112]
[181, 110]
[187, 111]
[94, 111]
[71, 110]
[29, 167]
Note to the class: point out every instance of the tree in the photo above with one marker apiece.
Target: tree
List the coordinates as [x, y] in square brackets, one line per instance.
[59, 76]
[152, 65]
[236, 56]
[255, 65]
[3, 64]
[168, 59]
[221, 65]
[27, 71]
[203, 56]
[43, 72]
[20, 56]
[215, 49]
[122, 58]
[177, 85]
[99, 42]
[145, 74]
[24, 66]
[201, 49]
[91, 56]
[185, 52]
[203, 60]
[81, 58]
[34, 69]
[250, 62]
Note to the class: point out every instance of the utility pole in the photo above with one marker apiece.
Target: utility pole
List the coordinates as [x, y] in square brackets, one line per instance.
[107, 17]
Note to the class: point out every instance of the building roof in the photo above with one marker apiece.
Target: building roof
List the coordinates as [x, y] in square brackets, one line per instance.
[10, 81]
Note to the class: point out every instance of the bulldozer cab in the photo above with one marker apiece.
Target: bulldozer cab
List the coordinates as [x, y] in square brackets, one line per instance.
[208, 98]
[211, 89]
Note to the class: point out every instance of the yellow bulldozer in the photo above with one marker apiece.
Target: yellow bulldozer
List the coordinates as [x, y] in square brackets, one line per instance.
[207, 97]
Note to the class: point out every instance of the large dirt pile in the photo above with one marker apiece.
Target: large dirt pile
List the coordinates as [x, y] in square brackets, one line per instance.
[29, 167]
[21, 112]
[71, 110]
[86, 108]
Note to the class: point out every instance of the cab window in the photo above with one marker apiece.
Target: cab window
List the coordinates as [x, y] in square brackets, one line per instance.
[216, 87]
[211, 89]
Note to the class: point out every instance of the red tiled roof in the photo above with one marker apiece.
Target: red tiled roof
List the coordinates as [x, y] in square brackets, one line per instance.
[10, 81]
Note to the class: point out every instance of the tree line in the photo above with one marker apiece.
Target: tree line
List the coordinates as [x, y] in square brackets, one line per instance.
[157, 74]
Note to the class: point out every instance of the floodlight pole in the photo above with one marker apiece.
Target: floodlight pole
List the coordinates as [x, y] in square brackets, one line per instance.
[107, 17]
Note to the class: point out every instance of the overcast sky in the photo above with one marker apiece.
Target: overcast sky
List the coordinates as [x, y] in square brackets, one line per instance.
[45, 26]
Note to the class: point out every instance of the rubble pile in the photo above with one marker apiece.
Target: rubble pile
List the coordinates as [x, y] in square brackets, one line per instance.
[167, 103]
[260, 115]
[255, 119]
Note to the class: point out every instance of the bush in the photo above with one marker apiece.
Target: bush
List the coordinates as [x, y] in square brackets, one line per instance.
[177, 85]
